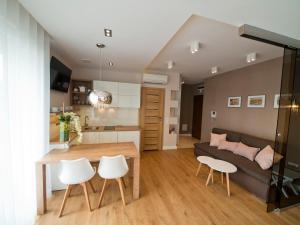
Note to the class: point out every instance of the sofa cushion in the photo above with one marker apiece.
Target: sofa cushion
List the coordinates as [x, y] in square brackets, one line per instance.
[231, 135]
[247, 166]
[255, 141]
[215, 139]
[228, 145]
[246, 151]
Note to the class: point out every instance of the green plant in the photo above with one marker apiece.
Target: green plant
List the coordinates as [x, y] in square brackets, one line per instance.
[74, 121]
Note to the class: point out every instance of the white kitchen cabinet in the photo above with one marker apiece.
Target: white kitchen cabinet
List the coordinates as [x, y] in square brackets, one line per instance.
[128, 136]
[90, 137]
[108, 137]
[129, 101]
[108, 86]
[129, 89]
[124, 95]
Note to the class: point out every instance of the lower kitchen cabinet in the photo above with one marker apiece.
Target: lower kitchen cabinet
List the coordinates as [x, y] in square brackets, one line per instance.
[126, 136]
[111, 137]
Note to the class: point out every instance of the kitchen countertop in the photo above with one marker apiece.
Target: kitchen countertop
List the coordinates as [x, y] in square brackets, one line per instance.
[117, 128]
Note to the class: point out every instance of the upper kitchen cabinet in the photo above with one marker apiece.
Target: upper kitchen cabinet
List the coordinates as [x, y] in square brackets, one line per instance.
[111, 87]
[124, 95]
[129, 95]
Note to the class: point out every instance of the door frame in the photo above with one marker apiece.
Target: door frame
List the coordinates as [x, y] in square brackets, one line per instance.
[141, 117]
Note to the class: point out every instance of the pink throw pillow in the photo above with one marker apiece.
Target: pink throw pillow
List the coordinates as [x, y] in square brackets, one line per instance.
[265, 157]
[215, 139]
[246, 151]
[227, 145]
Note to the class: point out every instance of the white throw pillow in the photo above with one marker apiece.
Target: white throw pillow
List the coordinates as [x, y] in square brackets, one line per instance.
[215, 139]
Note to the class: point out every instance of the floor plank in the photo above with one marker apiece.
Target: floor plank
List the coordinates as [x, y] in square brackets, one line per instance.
[170, 194]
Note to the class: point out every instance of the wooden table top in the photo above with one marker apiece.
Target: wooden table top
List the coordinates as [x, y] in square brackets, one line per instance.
[93, 152]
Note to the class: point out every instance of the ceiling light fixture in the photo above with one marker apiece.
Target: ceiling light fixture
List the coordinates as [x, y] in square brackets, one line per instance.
[251, 57]
[194, 47]
[98, 98]
[110, 63]
[214, 70]
[170, 64]
[108, 32]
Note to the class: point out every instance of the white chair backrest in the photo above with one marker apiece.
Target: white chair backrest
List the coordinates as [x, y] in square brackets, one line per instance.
[112, 167]
[76, 171]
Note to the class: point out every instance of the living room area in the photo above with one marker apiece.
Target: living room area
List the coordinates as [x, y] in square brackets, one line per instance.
[149, 112]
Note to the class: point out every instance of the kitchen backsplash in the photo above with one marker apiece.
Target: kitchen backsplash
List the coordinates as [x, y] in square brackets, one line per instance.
[108, 116]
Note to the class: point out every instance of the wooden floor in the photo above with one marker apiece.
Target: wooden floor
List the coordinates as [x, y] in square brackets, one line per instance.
[170, 194]
[187, 142]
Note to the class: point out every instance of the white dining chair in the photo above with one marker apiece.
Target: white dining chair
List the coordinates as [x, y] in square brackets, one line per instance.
[75, 172]
[112, 167]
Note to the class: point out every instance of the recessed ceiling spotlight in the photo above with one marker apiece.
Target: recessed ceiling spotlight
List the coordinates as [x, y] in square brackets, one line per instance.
[85, 60]
[214, 70]
[194, 47]
[110, 64]
[108, 32]
[170, 64]
[251, 57]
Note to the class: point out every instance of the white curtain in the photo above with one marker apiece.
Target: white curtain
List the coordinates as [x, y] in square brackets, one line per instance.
[24, 105]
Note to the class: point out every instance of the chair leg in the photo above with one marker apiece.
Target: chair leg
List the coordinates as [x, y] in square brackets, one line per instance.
[101, 195]
[67, 193]
[91, 186]
[123, 182]
[121, 190]
[86, 195]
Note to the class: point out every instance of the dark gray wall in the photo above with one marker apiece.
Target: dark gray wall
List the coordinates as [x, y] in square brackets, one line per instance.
[259, 79]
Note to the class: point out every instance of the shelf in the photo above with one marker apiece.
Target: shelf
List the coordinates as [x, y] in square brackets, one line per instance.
[80, 93]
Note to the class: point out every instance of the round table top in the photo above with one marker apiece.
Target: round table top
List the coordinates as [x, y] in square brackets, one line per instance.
[205, 159]
[222, 166]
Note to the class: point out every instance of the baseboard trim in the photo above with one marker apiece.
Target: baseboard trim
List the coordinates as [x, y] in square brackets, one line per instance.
[189, 135]
[169, 147]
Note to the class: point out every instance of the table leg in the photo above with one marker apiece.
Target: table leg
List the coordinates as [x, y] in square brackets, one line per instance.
[136, 178]
[198, 170]
[41, 188]
[209, 176]
[228, 186]
[222, 178]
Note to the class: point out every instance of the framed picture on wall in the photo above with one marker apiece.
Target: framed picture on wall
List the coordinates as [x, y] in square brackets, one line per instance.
[234, 102]
[257, 101]
[276, 101]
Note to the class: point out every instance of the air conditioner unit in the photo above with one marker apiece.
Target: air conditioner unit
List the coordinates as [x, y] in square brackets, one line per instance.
[155, 78]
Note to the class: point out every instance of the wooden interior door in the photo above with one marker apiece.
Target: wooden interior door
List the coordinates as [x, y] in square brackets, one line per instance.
[197, 116]
[151, 118]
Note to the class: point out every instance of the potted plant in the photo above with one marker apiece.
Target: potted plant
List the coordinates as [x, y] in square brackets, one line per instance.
[68, 122]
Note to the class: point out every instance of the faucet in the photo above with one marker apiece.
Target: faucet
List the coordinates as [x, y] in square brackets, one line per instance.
[85, 121]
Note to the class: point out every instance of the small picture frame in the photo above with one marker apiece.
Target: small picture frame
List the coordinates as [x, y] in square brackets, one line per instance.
[276, 101]
[256, 101]
[234, 102]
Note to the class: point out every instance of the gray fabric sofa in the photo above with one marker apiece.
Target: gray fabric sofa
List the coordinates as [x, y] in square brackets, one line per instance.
[249, 174]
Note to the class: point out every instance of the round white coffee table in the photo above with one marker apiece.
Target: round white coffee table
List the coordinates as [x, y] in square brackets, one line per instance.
[223, 167]
[203, 160]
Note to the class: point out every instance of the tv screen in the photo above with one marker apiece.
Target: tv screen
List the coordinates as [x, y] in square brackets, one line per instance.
[60, 75]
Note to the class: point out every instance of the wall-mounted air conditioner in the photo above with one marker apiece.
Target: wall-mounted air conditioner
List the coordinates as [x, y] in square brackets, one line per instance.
[155, 78]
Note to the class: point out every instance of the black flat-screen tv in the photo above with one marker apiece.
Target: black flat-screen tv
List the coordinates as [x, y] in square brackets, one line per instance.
[60, 75]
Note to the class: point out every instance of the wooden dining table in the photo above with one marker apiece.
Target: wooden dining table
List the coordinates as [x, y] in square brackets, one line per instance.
[93, 152]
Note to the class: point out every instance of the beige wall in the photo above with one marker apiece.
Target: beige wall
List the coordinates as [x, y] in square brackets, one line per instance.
[260, 79]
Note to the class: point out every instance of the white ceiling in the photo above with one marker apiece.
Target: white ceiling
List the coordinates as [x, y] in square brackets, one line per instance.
[220, 45]
[141, 28]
